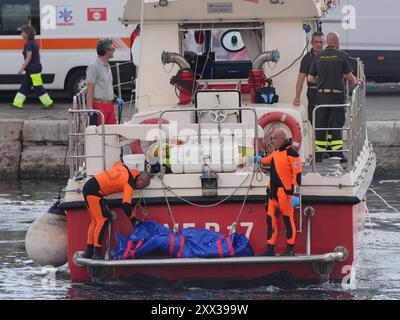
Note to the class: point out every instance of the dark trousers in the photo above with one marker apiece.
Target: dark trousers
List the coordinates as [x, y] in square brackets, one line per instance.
[312, 101]
[26, 85]
[330, 118]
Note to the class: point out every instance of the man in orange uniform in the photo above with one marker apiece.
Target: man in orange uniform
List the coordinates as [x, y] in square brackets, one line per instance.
[118, 179]
[284, 190]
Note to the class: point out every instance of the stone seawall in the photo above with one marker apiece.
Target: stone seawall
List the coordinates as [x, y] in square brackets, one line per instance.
[33, 149]
[36, 149]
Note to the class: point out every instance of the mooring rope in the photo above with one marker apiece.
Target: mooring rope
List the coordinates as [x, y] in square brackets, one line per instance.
[383, 200]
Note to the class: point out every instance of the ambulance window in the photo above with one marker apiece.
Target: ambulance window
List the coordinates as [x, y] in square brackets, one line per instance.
[16, 13]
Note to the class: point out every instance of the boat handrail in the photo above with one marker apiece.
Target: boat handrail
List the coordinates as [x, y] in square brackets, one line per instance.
[356, 122]
[252, 109]
[77, 126]
[339, 254]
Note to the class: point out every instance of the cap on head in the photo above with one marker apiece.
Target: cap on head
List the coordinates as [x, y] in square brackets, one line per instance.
[102, 46]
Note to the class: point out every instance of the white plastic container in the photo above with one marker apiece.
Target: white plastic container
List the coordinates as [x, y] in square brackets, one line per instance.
[222, 157]
[190, 158]
[135, 161]
[187, 158]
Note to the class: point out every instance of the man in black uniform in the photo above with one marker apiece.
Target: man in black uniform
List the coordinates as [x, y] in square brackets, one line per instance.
[327, 72]
[317, 42]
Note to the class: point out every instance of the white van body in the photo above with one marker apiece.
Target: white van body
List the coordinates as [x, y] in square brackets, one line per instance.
[369, 30]
[67, 34]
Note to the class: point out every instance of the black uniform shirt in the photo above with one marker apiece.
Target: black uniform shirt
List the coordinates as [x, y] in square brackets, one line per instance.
[32, 45]
[305, 65]
[330, 66]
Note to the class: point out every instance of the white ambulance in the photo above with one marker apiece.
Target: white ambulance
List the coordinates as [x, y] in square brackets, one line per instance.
[67, 32]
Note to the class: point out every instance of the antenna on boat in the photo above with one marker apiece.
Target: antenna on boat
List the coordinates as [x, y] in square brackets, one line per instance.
[137, 89]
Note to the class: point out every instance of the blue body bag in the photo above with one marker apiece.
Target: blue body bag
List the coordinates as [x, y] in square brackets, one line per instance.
[151, 237]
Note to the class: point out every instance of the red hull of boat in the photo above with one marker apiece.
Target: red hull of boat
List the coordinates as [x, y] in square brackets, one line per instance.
[332, 226]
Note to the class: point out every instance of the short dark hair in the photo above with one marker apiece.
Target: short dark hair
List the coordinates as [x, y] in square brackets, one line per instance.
[102, 46]
[317, 34]
[30, 31]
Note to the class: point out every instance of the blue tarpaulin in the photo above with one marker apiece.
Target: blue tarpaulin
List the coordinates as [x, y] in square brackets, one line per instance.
[151, 237]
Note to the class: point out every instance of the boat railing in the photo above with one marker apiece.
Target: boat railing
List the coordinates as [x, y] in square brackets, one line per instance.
[200, 110]
[355, 126]
[78, 121]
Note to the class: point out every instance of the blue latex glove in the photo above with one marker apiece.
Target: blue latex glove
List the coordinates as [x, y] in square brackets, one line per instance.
[257, 159]
[119, 102]
[295, 201]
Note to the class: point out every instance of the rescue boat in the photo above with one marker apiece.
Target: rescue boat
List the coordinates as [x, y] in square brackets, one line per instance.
[215, 115]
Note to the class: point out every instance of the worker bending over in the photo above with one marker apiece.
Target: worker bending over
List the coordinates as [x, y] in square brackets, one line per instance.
[283, 190]
[118, 179]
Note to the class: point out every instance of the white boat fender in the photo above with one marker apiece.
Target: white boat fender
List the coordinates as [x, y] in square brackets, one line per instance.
[46, 240]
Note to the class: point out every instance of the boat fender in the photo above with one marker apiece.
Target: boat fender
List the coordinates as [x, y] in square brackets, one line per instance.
[46, 240]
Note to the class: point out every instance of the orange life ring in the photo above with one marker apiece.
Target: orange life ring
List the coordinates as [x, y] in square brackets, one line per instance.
[136, 147]
[288, 120]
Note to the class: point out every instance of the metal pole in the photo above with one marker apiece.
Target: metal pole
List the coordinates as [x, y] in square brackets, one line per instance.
[119, 92]
[103, 133]
[137, 87]
[308, 243]
[103, 140]
[313, 138]
[327, 106]
[108, 244]
[70, 143]
[301, 215]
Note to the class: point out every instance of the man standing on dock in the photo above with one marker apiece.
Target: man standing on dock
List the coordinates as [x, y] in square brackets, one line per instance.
[283, 190]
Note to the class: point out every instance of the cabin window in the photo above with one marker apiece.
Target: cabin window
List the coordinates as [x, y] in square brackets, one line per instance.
[16, 13]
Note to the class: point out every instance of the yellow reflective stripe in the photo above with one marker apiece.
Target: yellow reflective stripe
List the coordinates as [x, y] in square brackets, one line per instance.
[337, 142]
[338, 147]
[46, 100]
[36, 79]
[330, 136]
[19, 100]
[321, 143]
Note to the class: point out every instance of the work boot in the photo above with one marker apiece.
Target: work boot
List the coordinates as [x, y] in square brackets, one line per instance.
[270, 251]
[97, 254]
[48, 107]
[289, 250]
[89, 252]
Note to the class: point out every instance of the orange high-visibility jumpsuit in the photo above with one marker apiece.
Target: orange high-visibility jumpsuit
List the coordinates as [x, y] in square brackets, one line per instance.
[118, 179]
[285, 180]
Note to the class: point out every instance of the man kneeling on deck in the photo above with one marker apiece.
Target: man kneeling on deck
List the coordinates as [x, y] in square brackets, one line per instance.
[284, 190]
[119, 178]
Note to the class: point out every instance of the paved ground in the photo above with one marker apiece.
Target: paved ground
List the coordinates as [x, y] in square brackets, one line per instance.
[383, 103]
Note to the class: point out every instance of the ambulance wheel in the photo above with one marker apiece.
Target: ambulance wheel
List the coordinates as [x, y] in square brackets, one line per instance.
[76, 82]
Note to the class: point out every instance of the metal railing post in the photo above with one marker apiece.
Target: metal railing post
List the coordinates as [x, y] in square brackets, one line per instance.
[75, 135]
[324, 106]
